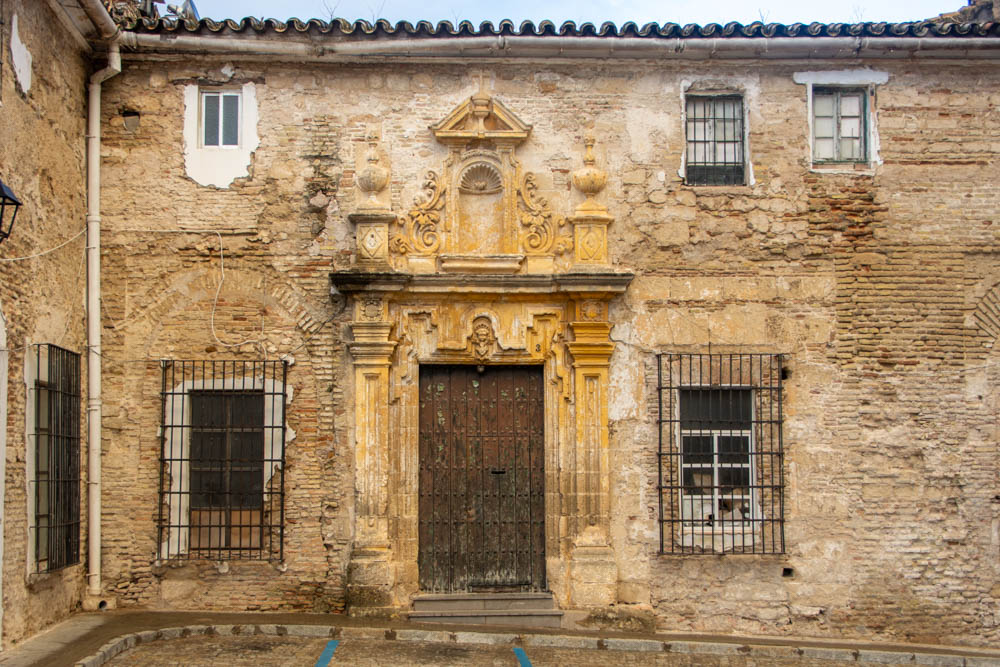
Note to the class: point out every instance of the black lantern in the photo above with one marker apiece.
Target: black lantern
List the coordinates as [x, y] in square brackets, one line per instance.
[9, 204]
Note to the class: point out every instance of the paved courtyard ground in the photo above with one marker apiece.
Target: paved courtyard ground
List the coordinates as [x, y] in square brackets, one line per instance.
[192, 639]
[257, 651]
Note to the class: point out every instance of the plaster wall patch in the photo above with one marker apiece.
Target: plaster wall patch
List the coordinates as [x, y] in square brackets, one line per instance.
[216, 165]
[20, 57]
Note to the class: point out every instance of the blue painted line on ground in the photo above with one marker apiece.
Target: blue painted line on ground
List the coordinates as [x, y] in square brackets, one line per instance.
[324, 658]
[521, 657]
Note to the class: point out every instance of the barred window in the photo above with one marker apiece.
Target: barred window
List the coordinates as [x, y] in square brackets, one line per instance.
[714, 133]
[57, 457]
[222, 464]
[721, 479]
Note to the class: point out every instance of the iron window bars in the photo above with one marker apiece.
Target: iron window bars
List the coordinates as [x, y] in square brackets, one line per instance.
[222, 462]
[714, 133]
[57, 457]
[839, 126]
[721, 472]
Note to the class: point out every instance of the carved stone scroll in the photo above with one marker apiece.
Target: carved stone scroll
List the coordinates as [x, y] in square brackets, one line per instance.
[421, 233]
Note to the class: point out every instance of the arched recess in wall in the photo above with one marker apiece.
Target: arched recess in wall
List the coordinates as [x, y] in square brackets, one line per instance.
[986, 315]
[177, 325]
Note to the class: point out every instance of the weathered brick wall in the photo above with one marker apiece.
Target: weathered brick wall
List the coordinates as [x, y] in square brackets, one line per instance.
[42, 160]
[865, 281]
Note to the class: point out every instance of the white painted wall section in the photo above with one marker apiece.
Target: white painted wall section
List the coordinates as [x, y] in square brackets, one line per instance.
[20, 57]
[219, 166]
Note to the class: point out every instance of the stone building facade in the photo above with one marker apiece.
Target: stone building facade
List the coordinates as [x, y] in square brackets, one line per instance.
[374, 227]
[42, 124]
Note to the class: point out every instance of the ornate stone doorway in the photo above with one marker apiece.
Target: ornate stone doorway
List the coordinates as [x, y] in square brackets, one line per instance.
[482, 485]
[481, 271]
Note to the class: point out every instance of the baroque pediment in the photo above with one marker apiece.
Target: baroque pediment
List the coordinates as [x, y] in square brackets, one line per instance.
[479, 212]
[481, 118]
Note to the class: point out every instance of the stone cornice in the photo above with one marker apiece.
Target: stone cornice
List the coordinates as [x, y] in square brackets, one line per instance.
[576, 284]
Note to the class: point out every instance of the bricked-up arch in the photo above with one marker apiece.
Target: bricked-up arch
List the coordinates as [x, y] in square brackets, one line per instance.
[987, 314]
[176, 324]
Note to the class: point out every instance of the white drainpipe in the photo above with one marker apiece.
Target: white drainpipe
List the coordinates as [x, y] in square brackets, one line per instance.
[106, 26]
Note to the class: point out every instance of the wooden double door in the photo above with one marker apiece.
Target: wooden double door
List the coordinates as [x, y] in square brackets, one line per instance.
[482, 501]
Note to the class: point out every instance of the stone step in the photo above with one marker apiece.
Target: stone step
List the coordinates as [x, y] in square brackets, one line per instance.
[483, 601]
[525, 618]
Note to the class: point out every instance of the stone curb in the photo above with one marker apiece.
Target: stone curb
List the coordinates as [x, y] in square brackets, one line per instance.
[761, 652]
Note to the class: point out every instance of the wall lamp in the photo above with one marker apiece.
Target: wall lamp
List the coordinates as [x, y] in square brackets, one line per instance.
[9, 205]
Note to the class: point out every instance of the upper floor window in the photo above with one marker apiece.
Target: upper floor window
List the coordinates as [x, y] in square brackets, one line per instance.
[714, 140]
[56, 408]
[839, 125]
[220, 118]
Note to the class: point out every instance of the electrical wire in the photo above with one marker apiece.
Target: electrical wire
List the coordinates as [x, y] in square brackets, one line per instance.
[45, 252]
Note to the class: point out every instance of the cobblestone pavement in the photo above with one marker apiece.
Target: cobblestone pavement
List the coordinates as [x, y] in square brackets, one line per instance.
[257, 651]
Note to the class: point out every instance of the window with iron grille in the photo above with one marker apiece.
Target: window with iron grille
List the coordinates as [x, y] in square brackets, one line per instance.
[222, 463]
[57, 457]
[839, 126]
[721, 475]
[714, 133]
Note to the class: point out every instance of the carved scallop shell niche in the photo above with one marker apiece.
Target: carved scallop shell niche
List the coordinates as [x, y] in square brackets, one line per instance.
[480, 209]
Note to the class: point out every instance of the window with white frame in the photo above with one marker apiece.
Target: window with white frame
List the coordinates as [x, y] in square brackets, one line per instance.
[220, 118]
[223, 442]
[720, 453]
[840, 125]
[55, 407]
[715, 151]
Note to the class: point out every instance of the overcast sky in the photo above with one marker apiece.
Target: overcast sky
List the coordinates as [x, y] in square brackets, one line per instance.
[618, 11]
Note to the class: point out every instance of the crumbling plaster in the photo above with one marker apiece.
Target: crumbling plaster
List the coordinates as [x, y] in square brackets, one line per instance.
[829, 269]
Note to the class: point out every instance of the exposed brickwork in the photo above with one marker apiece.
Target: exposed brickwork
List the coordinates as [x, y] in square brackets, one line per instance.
[42, 160]
[868, 281]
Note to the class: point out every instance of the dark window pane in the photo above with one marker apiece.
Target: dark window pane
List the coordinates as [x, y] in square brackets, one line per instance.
[716, 408]
[734, 481]
[230, 120]
[734, 449]
[698, 481]
[697, 448]
[207, 487]
[207, 448]
[248, 447]
[210, 119]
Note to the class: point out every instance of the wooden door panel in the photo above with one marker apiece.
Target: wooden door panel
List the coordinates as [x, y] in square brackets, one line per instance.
[481, 478]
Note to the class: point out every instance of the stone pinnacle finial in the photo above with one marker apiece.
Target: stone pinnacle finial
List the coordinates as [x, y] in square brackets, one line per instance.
[590, 180]
[373, 177]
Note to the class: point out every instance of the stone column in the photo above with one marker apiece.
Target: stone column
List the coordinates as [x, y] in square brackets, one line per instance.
[593, 570]
[370, 578]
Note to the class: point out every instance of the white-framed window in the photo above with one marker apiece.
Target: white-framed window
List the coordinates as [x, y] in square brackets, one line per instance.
[223, 439]
[220, 118]
[714, 140]
[721, 455]
[716, 456]
[840, 120]
[843, 129]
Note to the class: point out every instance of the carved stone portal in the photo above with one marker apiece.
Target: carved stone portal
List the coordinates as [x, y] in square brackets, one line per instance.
[482, 207]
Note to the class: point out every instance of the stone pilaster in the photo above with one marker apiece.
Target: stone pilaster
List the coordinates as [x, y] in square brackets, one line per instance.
[370, 579]
[593, 569]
